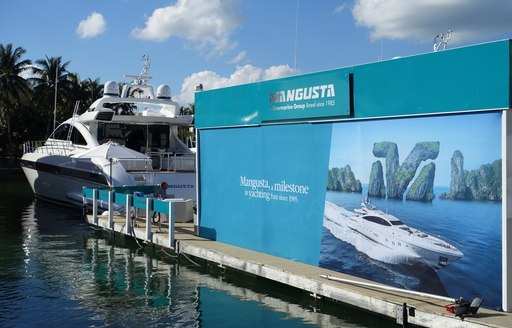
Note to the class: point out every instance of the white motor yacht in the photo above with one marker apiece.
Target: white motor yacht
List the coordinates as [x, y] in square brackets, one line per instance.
[127, 139]
[392, 235]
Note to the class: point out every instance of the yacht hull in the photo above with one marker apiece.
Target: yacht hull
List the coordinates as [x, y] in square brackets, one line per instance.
[51, 180]
[422, 251]
[60, 179]
[390, 244]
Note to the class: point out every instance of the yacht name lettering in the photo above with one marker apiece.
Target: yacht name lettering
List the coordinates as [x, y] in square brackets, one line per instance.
[314, 92]
[180, 186]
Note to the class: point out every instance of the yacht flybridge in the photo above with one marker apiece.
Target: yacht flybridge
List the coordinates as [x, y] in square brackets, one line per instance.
[121, 140]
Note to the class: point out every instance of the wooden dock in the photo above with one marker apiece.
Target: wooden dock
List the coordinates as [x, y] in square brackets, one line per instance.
[413, 309]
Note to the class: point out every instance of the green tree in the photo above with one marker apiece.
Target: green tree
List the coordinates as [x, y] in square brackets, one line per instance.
[50, 73]
[13, 88]
[86, 91]
[94, 90]
[187, 134]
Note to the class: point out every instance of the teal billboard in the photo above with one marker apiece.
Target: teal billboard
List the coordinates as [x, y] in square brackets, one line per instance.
[410, 202]
[387, 171]
[279, 198]
[297, 98]
[325, 94]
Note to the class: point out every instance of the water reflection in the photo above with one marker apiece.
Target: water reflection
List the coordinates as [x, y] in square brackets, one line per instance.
[59, 272]
[186, 296]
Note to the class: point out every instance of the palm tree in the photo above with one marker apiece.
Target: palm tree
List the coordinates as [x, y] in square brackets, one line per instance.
[50, 74]
[85, 91]
[13, 88]
[186, 134]
[94, 90]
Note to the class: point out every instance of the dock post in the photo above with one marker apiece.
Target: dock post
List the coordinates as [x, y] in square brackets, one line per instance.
[149, 205]
[95, 206]
[171, 225]
[128, 208]
[110, 209]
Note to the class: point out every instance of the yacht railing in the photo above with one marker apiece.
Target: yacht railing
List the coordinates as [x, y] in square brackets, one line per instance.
[61, 147]
[136, 164]
[173, 162]
[141, 169]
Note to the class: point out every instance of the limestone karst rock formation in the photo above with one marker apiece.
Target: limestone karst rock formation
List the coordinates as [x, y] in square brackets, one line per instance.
[343, 179]
[398, 176]
[422, 188]
[481, 184]
[376, 186]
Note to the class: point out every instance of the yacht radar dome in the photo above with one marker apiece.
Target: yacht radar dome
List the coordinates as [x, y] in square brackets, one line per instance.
[111, 89]
[163, 92]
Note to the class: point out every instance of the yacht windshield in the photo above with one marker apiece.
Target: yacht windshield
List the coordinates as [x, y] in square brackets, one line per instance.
[63, 133]
[141, 138]
[376, 219]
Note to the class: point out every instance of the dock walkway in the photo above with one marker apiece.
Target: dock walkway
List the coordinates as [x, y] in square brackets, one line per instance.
[419, 310]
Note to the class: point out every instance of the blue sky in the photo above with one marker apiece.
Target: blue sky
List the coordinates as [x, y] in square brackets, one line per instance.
[227, 42]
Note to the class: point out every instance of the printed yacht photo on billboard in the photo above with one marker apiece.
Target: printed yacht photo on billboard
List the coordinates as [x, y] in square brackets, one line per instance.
[416, 203]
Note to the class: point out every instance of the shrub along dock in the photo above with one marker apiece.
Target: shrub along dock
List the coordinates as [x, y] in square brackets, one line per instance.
[135, 216]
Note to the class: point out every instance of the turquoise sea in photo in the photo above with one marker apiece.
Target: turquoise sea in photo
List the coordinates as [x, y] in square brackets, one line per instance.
[474, 227]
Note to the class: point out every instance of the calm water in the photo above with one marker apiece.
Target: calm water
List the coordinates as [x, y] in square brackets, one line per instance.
[58, 272]
[474, 227]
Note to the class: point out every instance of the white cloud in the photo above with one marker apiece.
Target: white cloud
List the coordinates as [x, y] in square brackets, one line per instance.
[28, 72]
[340, 8]
[242, 75]
[238, 58]
[92, 26]
[275, 72]
[422, 20]
[207, 25]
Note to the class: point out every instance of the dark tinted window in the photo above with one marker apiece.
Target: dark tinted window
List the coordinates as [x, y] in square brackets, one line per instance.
[376, 219]
[77, 138]
[61, 132]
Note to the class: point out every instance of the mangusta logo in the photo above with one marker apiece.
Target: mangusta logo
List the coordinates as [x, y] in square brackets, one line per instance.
[181, 186]
[315, 92]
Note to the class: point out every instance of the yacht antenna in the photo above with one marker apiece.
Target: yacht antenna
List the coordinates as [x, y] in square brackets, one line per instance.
[146, 64]
[55, 97]
[296, 36]
[442, 40]
[144, 77]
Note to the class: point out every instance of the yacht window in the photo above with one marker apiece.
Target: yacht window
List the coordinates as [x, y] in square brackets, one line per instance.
[61, 132]
[397, 222]
[135, 137]
[376, 219]
[159, 137]
[77, 138]
[111, 132]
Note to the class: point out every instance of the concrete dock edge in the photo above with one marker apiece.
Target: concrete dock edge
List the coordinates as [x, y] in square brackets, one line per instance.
[421, 311]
